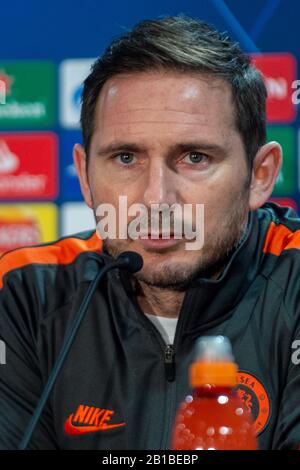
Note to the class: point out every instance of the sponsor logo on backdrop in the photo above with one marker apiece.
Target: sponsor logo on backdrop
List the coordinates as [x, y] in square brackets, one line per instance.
[286, 183]
[30, 93]
[72, 73]
[76, 217]
[285, 202]
[5, 86]
[26, 224]
[20, 232]
[9, 162]
[76, 98]
[279, 71]
[296, 93]
[70, 189]
[71, 171]
[28, 166]
[2, 93]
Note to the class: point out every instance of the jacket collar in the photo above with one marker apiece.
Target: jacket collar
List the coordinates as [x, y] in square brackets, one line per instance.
[209, 302]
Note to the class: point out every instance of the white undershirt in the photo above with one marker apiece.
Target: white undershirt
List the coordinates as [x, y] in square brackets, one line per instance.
[166, 326]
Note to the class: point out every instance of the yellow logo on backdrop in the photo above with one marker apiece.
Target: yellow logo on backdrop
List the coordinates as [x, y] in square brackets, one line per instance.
[27, 224]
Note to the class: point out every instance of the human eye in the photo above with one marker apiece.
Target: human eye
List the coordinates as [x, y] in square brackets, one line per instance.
[193, 158]
[125, 158]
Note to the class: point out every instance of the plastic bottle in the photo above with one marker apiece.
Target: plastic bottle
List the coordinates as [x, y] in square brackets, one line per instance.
[213, 417]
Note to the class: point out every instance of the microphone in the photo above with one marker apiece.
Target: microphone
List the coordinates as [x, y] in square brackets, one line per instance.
[129, 260]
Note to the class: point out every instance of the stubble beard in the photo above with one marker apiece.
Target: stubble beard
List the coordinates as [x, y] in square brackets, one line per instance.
[207, 263]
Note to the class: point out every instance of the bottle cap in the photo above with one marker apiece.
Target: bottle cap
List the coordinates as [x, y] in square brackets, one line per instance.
[213, 349]
[214, 363]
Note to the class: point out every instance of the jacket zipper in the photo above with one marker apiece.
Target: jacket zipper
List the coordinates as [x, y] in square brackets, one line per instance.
[169, 353]
[170, 372]
[170, 363]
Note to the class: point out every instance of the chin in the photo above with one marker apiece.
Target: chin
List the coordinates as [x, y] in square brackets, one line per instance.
[167, 273]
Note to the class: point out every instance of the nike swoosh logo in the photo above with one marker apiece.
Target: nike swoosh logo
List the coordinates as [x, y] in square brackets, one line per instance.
[73, 430]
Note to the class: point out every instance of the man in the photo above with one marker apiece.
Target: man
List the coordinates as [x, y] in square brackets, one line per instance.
[172, 113]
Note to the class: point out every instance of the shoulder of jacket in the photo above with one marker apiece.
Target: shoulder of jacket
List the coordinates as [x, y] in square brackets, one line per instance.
[282, 250]
[61, 252]
[283, 232]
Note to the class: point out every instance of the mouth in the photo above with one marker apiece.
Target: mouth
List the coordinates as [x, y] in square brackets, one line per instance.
[157, 235]
[158, 240]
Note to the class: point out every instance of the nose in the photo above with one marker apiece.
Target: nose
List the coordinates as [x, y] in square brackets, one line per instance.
[160, 184]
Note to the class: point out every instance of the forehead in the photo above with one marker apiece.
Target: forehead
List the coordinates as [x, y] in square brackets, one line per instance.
[164, 102]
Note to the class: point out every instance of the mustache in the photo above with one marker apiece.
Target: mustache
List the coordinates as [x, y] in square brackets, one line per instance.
[163, 223]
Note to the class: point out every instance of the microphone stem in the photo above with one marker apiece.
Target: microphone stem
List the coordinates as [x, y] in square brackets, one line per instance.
[69, 338]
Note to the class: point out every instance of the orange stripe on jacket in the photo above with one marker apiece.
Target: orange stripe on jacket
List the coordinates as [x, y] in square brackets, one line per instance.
[62, 252]
[280, 238]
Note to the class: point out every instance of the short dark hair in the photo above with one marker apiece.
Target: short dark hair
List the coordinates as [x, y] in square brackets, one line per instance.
[180, 43]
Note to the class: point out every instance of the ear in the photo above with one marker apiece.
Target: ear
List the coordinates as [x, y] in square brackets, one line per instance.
[80, 162]
[266, 167]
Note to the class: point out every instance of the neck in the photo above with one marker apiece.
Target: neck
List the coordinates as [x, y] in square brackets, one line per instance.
[158, 301]
[161, 301]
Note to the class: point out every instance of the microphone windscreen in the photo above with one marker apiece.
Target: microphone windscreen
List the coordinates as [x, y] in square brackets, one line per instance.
[131, 260]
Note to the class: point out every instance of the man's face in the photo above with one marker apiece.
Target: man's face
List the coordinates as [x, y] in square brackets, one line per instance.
[165, 137]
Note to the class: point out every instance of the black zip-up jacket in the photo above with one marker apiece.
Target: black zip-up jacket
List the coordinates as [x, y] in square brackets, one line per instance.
[121, 384]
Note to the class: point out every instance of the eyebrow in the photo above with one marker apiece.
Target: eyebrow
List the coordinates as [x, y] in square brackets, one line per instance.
[118, 147]
[180, 147]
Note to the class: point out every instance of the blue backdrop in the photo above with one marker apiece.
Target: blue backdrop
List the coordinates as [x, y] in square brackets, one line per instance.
[63, 29]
